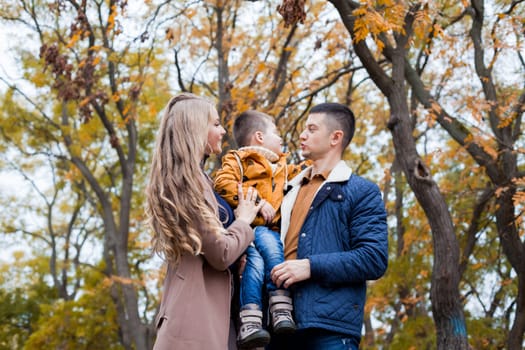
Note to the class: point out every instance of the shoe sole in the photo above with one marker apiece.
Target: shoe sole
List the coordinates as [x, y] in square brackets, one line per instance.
[254, 342]
[285, 328]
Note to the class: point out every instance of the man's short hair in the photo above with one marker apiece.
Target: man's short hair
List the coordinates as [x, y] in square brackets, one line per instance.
[247, 123]
[339, 117]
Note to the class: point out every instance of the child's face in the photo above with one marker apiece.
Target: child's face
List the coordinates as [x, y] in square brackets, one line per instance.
[272, 139]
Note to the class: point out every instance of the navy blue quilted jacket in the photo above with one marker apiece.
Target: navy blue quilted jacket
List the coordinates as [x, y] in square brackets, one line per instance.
[345, 238]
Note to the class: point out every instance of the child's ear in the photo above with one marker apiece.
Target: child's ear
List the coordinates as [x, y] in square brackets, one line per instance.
[259, 137]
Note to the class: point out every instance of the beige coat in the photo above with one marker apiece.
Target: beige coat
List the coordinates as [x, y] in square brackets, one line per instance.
[194, 312]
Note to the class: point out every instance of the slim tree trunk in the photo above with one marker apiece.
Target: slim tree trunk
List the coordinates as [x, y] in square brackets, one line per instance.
[225, 103]
[133, 331]
[446, 305]
[514, 250]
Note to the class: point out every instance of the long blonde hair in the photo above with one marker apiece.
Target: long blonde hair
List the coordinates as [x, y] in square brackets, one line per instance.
[177, 206]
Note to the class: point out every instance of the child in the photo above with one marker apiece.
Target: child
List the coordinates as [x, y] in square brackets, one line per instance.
[260, 163]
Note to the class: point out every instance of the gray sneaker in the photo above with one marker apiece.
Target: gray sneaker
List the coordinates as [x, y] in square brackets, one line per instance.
[251, 333]
[281, 308]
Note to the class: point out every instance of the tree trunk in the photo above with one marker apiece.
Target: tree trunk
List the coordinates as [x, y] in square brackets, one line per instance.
[225, 103]
[514, 250]
[446, 304]
[515, 339]
[130, 321]
[137, 332]
[133, 331]
[501, 171]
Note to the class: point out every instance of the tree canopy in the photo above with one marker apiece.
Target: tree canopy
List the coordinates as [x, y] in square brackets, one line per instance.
[438, 91]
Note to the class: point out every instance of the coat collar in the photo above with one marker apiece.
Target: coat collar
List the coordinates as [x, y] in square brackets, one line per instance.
[265, 152]
[341, 172]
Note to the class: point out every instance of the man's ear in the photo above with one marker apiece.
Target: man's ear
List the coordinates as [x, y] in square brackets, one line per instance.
[336, 137]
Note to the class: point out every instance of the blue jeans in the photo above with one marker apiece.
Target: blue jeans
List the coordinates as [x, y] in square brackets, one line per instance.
[260, 260]
[314, 339]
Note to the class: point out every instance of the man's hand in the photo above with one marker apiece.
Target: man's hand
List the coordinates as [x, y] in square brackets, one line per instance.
[267, 212]
[291, 271]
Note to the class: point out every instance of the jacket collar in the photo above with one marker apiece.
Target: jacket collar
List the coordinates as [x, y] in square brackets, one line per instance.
[341, 172]
[265, 152]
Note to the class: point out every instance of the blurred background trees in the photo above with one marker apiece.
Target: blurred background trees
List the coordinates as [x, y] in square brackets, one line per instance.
[438, 90]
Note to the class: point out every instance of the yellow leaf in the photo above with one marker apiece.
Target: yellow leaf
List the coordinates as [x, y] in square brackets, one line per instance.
[84, 102]
[96, 60]
[477, 266]
[73, 40]
[18, 254]
[260, 67]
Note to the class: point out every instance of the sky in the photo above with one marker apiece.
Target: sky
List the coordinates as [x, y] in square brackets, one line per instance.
[8, 181]
[11, 183]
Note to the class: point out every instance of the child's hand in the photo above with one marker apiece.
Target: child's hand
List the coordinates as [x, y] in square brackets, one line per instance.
[267, 212]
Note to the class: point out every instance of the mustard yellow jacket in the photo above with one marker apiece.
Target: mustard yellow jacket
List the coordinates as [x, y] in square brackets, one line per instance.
[253, 167]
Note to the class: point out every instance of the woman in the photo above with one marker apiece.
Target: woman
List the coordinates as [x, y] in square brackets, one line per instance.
[183, 212]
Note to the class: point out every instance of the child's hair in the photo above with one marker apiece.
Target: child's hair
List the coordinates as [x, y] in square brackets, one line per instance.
[247, 123]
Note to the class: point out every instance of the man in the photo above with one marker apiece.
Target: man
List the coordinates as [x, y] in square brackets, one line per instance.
[335, 238]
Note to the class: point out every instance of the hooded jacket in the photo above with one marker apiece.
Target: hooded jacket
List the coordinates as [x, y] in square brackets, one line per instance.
[256, 167]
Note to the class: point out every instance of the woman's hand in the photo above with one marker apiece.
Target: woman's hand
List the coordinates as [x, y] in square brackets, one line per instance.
[246, 208]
